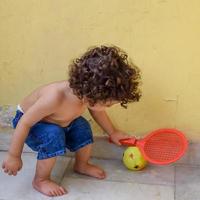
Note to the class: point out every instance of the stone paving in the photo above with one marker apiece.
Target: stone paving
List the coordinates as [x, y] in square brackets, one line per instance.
[173, 182]
[180, 181]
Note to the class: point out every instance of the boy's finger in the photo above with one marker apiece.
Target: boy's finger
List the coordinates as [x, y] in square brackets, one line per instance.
[19, 168]
[118, 143]
[10, 172]
[14, 173]
[3, 165]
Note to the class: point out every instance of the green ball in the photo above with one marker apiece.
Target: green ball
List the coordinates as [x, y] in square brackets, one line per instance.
[133, 159]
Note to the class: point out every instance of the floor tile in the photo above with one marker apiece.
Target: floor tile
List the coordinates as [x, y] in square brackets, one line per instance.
[194, 156]
[84, 189]
[116, 171]
[19, 187]
[187, 183]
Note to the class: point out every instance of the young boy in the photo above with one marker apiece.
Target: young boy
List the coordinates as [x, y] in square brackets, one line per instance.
[49, 119]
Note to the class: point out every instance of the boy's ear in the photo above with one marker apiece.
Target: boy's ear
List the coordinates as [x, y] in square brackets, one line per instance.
[84, 99]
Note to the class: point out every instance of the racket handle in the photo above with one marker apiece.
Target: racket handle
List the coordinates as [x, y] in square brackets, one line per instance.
[126, 142]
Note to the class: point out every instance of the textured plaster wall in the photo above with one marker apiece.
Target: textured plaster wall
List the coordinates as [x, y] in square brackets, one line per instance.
[38, 38]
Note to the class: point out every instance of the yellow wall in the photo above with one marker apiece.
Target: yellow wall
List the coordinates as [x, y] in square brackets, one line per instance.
[38, 38]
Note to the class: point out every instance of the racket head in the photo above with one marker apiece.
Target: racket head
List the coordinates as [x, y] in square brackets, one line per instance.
[163, 146]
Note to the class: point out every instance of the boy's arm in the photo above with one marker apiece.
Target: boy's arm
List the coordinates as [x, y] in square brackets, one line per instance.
[43, 107]
[104, 121]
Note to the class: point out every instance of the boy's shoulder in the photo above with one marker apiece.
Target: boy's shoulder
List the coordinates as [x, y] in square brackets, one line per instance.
[54, 91]
[49, 97]
[59, 92]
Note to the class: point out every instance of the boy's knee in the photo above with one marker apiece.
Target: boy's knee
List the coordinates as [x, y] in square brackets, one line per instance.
[79, 135]
[81, 122]
[53, 144]
[55, 132]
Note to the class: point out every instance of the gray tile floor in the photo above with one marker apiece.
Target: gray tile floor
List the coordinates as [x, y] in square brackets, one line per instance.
[173, 182]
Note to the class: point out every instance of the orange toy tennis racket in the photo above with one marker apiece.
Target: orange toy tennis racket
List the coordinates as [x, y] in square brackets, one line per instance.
[163, 146]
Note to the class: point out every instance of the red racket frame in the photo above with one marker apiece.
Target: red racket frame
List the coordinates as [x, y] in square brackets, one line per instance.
[141, 144]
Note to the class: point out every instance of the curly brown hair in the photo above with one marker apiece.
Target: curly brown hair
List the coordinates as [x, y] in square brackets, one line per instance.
[104, 73]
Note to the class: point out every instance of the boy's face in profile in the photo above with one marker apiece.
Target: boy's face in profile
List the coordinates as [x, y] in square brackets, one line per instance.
[101, 106]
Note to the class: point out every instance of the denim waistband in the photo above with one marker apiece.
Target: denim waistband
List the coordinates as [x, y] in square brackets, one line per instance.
[19, 108]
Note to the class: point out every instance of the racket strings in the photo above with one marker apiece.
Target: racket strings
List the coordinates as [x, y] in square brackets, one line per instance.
[163, 147]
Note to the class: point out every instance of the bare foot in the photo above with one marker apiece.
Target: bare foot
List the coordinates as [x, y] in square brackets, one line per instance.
[90, 170]
[48, 187]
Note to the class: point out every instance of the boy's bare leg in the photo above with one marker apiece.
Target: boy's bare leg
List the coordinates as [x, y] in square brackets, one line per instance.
[42, 181]
[82, 163]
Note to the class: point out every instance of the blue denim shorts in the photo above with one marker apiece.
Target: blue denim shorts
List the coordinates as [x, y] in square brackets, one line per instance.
[51, 140]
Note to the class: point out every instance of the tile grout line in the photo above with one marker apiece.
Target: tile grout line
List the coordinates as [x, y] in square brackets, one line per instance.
[66, 169]
[61, 179]
[119, 181]
[186, 165]
[174, 182]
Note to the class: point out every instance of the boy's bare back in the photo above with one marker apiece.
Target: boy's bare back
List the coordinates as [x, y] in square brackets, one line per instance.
[54, 102]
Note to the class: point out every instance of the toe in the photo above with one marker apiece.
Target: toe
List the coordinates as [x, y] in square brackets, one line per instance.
[50, 194]
[60, 192]
[63, 190]
[55, 193]
[102, 174]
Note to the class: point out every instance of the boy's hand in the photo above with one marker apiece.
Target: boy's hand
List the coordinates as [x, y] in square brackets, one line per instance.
[118, 135]
[12, 164]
